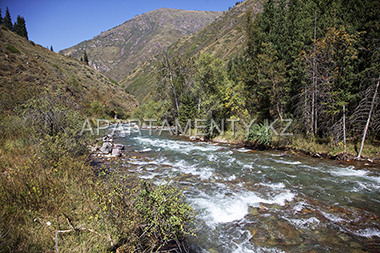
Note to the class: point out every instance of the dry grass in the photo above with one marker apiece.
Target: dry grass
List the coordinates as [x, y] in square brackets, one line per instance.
[50, 199]
[311, 145]
[35, 69]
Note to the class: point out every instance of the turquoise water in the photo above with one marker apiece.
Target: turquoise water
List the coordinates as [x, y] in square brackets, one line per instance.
[264, 201]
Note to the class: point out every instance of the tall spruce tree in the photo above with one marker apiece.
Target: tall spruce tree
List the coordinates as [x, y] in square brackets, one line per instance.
[20, 27]
[7, 21]
[85, 57]
[1, 18]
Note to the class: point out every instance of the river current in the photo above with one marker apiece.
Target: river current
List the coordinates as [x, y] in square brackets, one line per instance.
[263, 201]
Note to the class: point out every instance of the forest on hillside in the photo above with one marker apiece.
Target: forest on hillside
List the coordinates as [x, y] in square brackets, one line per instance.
[315, 62]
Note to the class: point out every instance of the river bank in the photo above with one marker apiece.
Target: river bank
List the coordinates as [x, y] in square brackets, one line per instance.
[248, 200]
[295, 144]
[304, 147]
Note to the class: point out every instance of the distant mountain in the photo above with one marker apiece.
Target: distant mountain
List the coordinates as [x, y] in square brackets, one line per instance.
[118, 51]
[223, 38]
[27, 71]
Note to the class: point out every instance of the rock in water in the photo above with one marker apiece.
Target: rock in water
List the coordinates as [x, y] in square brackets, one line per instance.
[118, 146]
[116, 152]
[106, 148]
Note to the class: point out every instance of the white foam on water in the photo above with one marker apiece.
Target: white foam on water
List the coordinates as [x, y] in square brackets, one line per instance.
[231, 178]
[305, 223]
[151, 176]
[212, 158]
[367, 232]
[299, 206]
[349, 172]
[274, 186]
[181, 146]
[247, 167]
[203, 173]
[333, 218]
[243, 150]
[245, 249]
[222, 207]
[144, 150]
[362, 174]
[285, 161]
[142, 162]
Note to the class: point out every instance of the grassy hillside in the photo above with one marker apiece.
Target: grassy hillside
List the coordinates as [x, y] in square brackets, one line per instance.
[118, 51]
[224, 38]
[29, 71]
[51, 198]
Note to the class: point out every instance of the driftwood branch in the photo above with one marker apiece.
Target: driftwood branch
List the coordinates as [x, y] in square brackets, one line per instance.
[368, 120]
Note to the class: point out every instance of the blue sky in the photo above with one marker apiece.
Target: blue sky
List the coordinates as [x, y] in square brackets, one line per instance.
[65, 23]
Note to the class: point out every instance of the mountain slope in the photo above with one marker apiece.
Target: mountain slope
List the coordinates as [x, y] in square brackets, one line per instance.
[223, 38]
[118, 51]
[29, 72]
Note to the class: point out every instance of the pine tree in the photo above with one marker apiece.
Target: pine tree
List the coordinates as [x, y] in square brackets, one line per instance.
[272, 83]
[20, 27]
[85, 57]
[1, 18]
[7, 21]
[51, 48]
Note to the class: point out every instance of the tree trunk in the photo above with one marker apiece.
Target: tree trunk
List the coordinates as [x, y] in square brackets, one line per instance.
[174, 93]
[313, 109]
[369, 119]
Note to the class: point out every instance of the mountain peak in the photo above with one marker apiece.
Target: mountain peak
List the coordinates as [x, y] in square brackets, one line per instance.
[118, 51]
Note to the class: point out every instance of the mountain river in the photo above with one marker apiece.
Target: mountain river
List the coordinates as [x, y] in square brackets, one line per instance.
[263, 201]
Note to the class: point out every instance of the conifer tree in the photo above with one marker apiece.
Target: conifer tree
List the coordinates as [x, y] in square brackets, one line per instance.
[1, 18]
[20, 27]
[85, 57]
[7, 21]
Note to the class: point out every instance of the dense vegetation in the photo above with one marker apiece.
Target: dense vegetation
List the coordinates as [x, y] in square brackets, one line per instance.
[315, 62]
[51, 198]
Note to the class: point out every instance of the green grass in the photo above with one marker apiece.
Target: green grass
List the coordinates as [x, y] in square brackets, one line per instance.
[308, 144]
[12, 48]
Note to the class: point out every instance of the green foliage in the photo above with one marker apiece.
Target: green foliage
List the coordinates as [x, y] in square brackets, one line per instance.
[164, 214]
[261, 134]
[151, 110]
[12, 48]
[7, 20]
[187, 110]
[20, 27]
[302, 59]
[85, 57]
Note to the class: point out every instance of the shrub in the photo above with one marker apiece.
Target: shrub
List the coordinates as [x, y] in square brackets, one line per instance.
[12, 48]
[61, 205]
[260, 134]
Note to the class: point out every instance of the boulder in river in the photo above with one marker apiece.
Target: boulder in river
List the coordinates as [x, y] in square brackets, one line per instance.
[116, 152]
[118, 146]
[106, 148]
